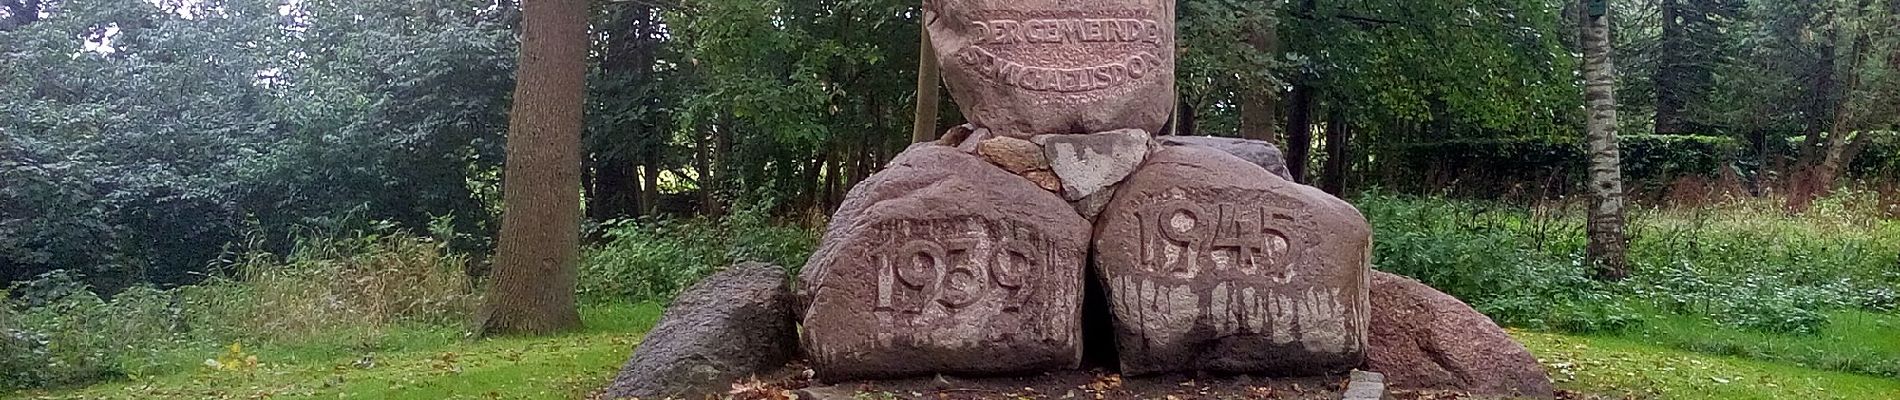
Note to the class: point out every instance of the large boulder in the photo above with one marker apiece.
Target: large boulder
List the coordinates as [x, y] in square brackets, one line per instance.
[1423, 339]
[1028, 67]
[1258, 152]
[1212, 264]
[945, 263]
[733, 324]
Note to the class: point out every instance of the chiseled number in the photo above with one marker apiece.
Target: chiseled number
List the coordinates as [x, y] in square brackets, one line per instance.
[1249, 232]
[954, 273]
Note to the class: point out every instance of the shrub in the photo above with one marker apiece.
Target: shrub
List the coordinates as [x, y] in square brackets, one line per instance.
[367, 281]
[58, 332]
[653, 259]
[55, 330]
[1739, 264]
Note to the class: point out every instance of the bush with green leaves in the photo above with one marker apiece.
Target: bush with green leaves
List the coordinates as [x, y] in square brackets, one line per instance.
[1740, 264]
[56, 330]
[653, 259]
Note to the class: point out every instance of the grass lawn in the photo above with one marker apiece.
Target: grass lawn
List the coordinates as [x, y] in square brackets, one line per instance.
[421, 364]
[439, 364]
[1622, 367]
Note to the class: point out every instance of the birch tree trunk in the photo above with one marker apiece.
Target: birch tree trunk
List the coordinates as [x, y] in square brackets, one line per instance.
[531, 290]
[1608, 245]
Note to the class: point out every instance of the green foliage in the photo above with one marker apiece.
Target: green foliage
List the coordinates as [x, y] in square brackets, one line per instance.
[360, 286]
[1520, 269]
[68, 335]
[652, 260]
[1741, 267]
[137, 138]
[429, 366]
[1650, 162]
[1602, 367]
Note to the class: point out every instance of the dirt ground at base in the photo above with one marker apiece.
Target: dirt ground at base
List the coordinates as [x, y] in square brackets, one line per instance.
[1086, 385]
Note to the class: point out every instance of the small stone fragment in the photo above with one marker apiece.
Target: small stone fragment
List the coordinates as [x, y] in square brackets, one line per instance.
[956, 135]
[1015, 155]
[1367, 376]
[1090, 163]
[1045, 180]
[733, 324]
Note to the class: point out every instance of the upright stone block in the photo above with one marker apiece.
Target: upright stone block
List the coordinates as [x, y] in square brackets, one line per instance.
[1211, 263]
[945, 263]
[1028, 67]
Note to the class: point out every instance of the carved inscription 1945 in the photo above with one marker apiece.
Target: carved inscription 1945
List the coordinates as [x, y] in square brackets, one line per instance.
[1211, 263]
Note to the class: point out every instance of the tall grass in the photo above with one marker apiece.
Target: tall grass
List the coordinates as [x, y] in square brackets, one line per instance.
[653, 259]
[345, 289]
[1739, 277]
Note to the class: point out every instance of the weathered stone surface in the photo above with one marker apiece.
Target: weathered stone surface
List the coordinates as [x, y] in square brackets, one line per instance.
[1045, 180]
[1092, 205]
[1028, 67]
[1254, 151]
[1423, 339]
[1364, 385]
[733, 324]
[943, 263]
[1093, 162]
[1210, 263]
[963, 137]
[1015, 155]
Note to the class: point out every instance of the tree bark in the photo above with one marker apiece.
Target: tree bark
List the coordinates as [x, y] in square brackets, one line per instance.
[1299, 131]
[1608, 244]
[1338, 140]
[531, 290]
[1259, 107]
[650, 185]
[1184, 124]
[924, 123]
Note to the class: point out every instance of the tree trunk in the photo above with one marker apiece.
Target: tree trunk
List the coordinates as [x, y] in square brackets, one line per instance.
[924, 123]
[1184, 118]
[1338, 140]
[1259, 107]
[1607, 247]
[531, 290]
[1299, 131]
[615, 190]
[650, 187]
[1684, 74]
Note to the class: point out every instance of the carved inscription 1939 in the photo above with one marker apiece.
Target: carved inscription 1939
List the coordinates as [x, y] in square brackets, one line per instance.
[955, 270]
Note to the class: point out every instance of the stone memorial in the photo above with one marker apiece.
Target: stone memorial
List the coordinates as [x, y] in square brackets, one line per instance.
[1026, 67]
[945, 263]
[1210, 263]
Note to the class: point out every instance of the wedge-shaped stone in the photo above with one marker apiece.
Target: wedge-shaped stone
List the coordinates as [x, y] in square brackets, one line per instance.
[945, 263]
[1089, 164]
[1210, 263]
[733, 324]
[1424, 339]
